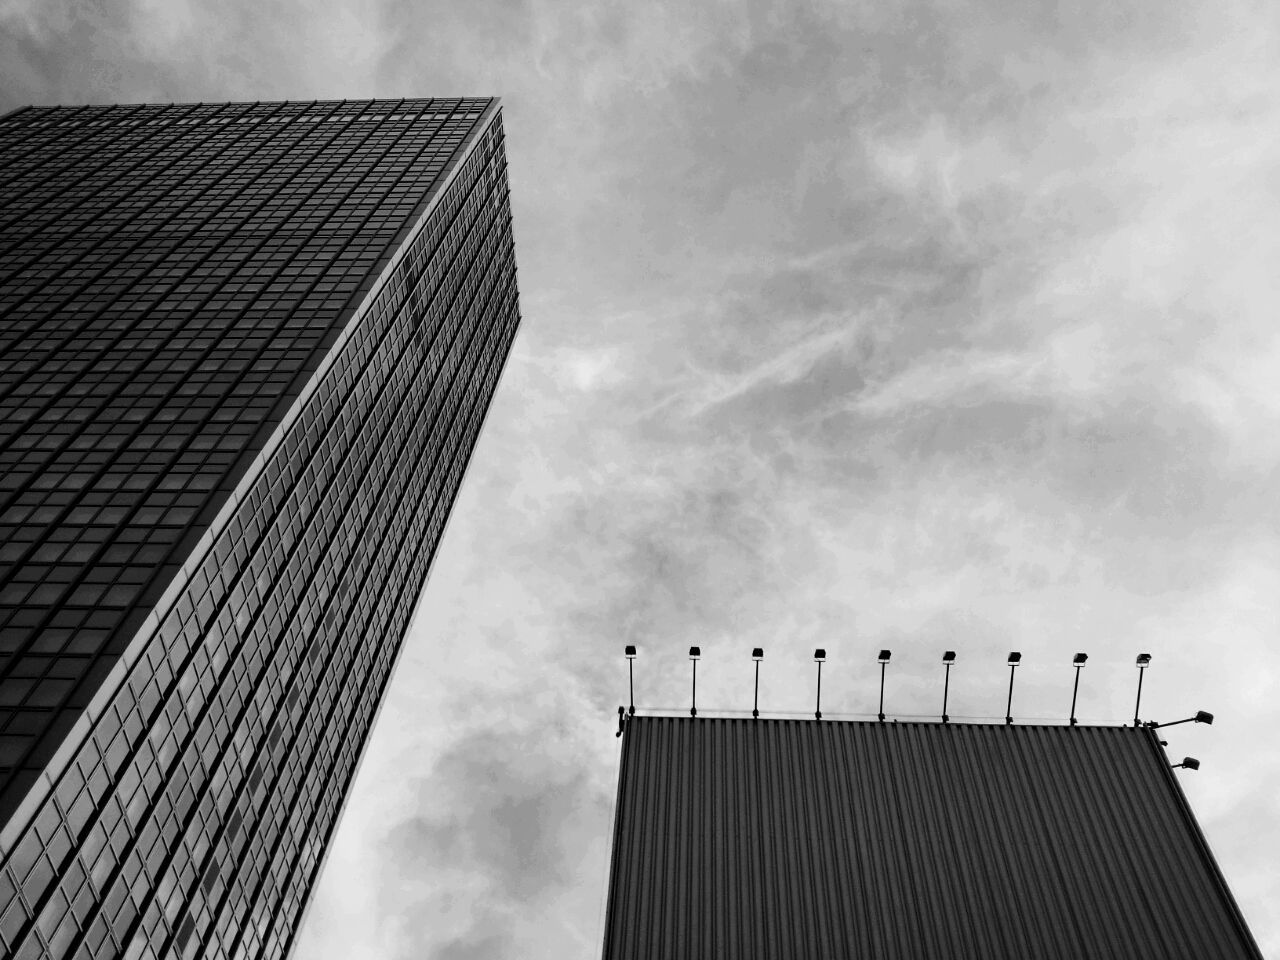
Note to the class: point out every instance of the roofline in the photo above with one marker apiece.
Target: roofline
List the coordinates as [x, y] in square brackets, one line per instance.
[908, 720]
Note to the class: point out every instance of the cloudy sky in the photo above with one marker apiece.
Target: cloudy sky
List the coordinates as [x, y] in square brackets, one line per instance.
[855, 325]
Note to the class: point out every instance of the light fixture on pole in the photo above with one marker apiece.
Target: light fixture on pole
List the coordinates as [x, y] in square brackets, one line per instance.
[757, 655]
[1077, 662]
[1191, 763]
[1201, 716]
[884, 660]
[1015, 658]
[819, 656]
[695, 654]
[630, 653]
[948, 659]
[1143, 661]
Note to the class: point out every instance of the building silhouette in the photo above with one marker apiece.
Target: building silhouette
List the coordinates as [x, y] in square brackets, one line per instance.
[245, 353]
[816, 839]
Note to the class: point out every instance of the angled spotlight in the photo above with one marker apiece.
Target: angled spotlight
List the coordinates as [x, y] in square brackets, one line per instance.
[1144, 659]
[629, 652]
[1191, 763]
[1202, 716]
[1015, 658]
[949, 657]
[1078, 663]
[819, 654]
[884, 656]
[695, 653]
[757, 653]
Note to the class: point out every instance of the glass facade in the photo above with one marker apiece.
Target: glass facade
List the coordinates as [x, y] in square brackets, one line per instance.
[245, 353]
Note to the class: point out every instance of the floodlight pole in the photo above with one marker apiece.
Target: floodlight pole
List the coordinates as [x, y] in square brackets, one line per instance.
[631, 684]
[693, 700]
[817, 704]
[1141, 670]
[1074, 690]
[1008, 709]
[883, 664]
[755, 703]
[946, 688]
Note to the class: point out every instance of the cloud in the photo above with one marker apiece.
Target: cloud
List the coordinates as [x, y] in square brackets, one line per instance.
[472, 869]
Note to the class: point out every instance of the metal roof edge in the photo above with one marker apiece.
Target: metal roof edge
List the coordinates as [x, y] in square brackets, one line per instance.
[1201, 841]
[617, 835]
[745, 717]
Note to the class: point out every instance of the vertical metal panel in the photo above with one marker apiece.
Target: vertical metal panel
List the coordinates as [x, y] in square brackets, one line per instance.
[820, 839]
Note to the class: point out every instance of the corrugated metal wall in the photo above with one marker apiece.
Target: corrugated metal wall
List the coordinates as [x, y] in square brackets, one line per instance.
[818, 839]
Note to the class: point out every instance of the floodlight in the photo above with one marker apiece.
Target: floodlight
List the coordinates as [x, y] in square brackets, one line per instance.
[1143, 661]
[819, 656]
[1014, 659]
[1077, 662]
[695, 654]
[948, 659]
[757, 655]
[1202, 716]
[884, 660]
[1191, 763]
[630, 653]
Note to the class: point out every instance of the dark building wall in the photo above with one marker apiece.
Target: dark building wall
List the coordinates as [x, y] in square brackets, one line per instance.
[186, 811]
[818, 839]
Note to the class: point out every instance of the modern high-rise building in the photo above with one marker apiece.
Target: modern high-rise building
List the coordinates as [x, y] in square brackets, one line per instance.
[813, 839]
[245, 354]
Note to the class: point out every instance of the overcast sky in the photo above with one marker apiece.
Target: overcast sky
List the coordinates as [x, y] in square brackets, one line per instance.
[843, 325]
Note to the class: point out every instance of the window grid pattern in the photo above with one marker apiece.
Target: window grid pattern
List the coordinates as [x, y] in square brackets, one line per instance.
[170, 276]
[192, 821]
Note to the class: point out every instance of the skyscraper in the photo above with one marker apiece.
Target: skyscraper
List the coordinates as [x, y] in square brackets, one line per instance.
[245, 353]
[810, 839]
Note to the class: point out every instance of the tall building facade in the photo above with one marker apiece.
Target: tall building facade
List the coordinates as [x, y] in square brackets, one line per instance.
[812, 839]
[245, 353]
